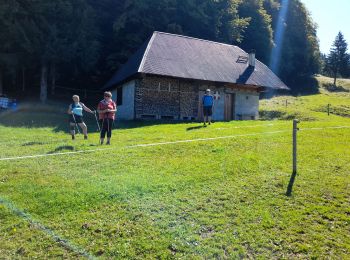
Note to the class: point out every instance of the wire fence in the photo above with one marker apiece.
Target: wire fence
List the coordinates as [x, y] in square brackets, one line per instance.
[337, 110]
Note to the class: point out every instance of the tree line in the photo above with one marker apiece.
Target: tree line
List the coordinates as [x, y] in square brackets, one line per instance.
[81, 43]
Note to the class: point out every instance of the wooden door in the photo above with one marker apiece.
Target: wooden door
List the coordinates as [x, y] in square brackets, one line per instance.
[229, 107]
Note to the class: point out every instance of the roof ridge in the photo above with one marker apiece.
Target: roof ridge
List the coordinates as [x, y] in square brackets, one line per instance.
[146, 53]
[194, 38]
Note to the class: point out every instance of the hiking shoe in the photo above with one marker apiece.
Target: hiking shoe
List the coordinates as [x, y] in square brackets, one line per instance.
[108, 143]
[85, 137]
[73, 137]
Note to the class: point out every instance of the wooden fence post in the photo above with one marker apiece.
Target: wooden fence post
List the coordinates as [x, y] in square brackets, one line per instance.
[295, 130]
[294, 173]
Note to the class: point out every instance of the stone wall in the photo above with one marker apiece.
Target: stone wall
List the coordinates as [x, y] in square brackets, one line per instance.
[166, 98]
[153, 97]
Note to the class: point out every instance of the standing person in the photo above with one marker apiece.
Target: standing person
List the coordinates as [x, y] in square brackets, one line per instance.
[208, 102]
[75, 111]
[106, 110]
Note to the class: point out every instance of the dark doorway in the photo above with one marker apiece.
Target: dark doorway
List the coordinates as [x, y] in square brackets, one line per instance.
[229, 107]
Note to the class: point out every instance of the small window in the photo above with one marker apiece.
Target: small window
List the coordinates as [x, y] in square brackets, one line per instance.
[120, 96]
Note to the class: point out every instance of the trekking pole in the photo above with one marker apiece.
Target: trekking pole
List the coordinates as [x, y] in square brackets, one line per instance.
[98, 125]
[107, 122]
[75, 122]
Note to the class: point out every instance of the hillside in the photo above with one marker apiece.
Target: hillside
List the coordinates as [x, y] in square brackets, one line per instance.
[311, 107]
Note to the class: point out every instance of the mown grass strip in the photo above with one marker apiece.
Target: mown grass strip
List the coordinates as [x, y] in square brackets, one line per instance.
[141, 145]
[165, 143]
[62, 241]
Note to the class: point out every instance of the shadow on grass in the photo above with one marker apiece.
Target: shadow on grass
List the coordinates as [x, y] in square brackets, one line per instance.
[291, 184]
[33, 143]
[333, 88]
[121, 124]
[55, 116]
[281, 115]
[271, 114]
[57, 121]
[62, 148]
[195, 127]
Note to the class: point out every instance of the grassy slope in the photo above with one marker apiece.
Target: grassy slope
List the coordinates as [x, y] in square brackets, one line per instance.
[310, 107]
[222, 198]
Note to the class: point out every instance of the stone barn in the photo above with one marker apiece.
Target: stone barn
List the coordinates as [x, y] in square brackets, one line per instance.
[167, 77]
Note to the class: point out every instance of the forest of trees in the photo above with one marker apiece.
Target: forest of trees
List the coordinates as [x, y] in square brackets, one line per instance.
[80, 43]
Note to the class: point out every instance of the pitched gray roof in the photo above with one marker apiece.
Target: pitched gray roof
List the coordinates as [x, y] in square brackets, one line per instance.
[190, 58]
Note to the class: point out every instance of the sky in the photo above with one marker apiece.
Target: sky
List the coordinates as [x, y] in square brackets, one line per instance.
[331, 16]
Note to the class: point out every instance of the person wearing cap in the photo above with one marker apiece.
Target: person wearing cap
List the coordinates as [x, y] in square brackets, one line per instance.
[207, 102]
[106, 110]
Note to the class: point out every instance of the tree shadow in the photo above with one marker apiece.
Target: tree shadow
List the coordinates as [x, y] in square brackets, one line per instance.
[304, 86]
[334, 88]
[62, 148]
[58, 120]
[300, 86]
[125, 124]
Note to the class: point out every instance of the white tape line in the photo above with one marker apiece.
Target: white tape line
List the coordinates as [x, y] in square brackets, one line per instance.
[322, 128]
[139, 145]
[166, 143]
[205, 139]
[63, 242]
[53, 154]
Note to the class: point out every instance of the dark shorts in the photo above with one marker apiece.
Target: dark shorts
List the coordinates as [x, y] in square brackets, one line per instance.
[207, 111]
[78, 119]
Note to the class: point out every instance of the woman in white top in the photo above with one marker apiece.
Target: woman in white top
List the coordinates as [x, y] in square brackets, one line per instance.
[75, 111]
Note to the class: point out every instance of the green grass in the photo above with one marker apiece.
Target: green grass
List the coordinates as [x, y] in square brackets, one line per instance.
[221, 198]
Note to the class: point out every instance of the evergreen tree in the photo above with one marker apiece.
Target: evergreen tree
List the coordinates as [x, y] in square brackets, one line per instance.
[337, 62]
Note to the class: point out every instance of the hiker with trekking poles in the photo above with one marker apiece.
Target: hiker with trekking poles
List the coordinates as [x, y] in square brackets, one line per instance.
[106, 110]
[75, 111]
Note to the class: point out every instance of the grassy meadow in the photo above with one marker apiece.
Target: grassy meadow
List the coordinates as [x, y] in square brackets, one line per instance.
[220, 198]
